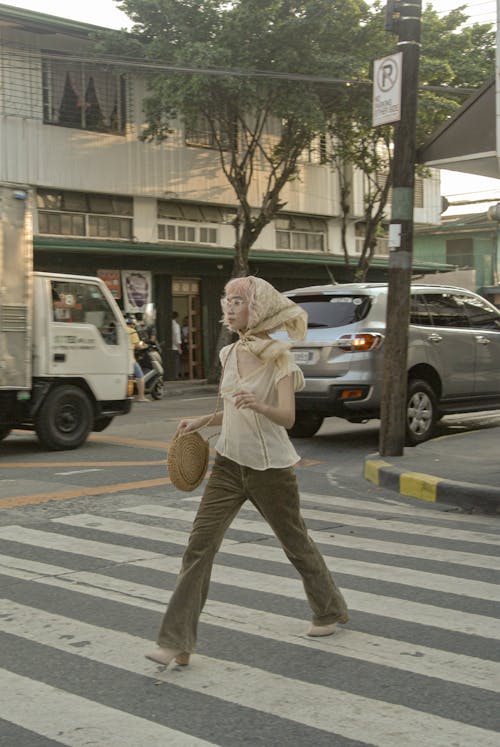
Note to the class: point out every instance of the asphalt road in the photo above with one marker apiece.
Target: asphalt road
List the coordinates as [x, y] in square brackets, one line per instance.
[90, 544]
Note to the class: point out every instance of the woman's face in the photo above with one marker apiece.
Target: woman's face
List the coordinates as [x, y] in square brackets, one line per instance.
[236, 312]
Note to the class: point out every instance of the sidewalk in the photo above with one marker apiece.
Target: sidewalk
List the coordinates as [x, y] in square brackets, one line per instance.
[462, 469]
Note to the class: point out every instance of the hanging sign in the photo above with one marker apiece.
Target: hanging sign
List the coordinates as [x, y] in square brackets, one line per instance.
[112, 280]
[136, 290]
[387, 74]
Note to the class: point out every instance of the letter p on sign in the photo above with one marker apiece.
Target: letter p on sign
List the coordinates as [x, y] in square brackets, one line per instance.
[387, 89]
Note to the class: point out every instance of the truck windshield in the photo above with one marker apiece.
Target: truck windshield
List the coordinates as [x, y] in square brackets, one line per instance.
[83, 303]
[333, 311]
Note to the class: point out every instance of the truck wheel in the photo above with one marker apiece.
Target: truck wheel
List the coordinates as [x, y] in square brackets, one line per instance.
[306, 425]
[65, 419]
[4, 432]
[100, 424]
[158, 389]
[421, 412]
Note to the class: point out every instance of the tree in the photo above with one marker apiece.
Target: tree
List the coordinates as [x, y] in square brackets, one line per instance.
[454, 55]
[257, 124]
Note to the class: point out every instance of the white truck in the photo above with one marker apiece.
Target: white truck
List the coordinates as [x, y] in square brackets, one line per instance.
[65, 357]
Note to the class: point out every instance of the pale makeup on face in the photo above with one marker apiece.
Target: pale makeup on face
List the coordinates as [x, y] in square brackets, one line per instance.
[236, 310]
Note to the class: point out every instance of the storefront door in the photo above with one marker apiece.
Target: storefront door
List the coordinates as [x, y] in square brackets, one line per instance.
[186, 301]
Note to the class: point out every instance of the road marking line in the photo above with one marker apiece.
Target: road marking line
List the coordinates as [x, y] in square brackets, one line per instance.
[397, 574]
[377, 604]
[42, 465]
[399, 654]
[78, 471]
[77, 722]
[337, 539]
[321, 707]
[388, 525]
[65, 495]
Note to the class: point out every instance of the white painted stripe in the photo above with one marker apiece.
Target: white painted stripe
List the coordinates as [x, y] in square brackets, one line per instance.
[321, 707]
[338, 540]
[394, 573]
[71, 720]
[398, 654]
[80, 471]
[51, 541]
[377, 604]
[396, 508]
[387, 524]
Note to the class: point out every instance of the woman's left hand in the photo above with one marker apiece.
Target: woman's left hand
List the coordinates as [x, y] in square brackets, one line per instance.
[244, 400]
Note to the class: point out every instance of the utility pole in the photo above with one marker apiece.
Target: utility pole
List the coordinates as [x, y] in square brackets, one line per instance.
[405, 17]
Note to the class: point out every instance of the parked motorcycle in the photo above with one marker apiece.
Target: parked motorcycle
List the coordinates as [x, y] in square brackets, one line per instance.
[149, 359]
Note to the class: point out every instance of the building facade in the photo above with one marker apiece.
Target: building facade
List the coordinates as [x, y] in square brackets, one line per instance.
[152, 218]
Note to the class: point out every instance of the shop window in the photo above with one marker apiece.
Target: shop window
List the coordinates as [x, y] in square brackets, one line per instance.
[460, 252]
[187, 234]
[62, 213]
[301, 234]
[83, 96]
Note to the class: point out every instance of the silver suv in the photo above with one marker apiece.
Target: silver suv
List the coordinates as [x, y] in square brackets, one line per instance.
[453, 355]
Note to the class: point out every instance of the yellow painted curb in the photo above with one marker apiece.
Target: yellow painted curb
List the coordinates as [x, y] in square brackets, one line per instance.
[372, 468]
[419, 485]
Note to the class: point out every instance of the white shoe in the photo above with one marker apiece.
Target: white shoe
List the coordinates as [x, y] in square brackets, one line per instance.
[320, 630]
[166, 655]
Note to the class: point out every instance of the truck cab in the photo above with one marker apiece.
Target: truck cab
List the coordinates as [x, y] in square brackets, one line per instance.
[65, 359]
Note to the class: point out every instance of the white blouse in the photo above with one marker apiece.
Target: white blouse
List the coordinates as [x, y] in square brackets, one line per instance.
[247, 437]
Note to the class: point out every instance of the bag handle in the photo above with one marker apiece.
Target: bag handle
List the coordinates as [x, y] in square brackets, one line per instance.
[206, 425]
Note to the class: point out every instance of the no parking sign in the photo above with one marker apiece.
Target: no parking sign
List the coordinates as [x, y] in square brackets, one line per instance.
[387, 74]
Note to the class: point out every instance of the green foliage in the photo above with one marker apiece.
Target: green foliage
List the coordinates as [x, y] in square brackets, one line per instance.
[262, 123]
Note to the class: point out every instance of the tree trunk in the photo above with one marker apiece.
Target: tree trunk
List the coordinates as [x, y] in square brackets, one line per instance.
[240, 269]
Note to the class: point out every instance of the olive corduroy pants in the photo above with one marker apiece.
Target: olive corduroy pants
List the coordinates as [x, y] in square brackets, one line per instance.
[274, 492]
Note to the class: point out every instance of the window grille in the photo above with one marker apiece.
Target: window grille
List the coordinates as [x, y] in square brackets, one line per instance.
[83, 96]
[300, 233]
[187, 234]
[62, 213]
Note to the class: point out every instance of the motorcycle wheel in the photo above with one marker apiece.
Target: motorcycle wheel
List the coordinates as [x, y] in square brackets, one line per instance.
[158, 389]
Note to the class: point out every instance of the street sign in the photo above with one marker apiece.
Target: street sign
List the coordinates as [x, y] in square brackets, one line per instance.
[387, 74]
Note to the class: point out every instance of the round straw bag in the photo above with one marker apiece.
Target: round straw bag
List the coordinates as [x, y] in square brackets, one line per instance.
[187, 460]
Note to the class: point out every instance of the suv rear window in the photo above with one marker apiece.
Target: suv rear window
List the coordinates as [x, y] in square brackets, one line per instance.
[333, 311]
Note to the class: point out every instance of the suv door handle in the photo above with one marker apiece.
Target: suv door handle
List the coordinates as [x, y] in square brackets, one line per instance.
[434, 337]
[483, 340]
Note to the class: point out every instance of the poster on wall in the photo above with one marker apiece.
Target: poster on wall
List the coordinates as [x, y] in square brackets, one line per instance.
[136, 286]
[112, 280]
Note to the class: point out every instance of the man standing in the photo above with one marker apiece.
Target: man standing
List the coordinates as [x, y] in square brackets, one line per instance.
[176, 344]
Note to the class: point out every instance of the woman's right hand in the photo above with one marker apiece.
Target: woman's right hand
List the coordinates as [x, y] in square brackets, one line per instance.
[189, 424]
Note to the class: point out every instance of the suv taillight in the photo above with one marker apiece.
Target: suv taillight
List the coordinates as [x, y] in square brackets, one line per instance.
[359, 343]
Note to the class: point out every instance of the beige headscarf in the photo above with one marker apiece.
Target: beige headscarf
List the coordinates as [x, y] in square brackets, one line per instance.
[270, 311]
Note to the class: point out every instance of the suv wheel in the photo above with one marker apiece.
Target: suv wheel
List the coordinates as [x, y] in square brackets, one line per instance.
[306, 425]
[421, 412]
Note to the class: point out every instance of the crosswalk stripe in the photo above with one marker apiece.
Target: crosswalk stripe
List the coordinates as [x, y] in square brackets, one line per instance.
[388, 525]
[398, 654]
[338, 540]
[392, 573]
[394, 508]
[353, 716]
[72, 720]
[378, 604]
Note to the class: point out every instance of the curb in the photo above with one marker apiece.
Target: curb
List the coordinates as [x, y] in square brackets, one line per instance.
[430, 488]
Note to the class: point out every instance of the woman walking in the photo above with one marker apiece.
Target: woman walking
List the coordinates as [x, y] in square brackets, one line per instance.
[254, 461]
